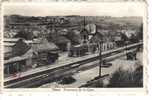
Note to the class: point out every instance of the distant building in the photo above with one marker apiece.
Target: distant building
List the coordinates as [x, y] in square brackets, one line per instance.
[106, 42]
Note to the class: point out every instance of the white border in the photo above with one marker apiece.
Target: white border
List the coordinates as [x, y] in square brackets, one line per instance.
[117, 91]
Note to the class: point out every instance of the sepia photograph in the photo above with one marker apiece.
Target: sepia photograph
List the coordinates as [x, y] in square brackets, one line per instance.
[73, 45]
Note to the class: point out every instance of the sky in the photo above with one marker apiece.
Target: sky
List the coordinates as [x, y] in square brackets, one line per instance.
[83, 9]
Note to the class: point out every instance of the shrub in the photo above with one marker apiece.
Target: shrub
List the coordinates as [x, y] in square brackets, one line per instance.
[126, 78]
[67, 80]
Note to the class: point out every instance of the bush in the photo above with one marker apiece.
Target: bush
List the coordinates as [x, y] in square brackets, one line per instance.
[126, 78]
[67, 80]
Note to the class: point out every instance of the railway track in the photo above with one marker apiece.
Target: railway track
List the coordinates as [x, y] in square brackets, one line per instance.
[51, 75]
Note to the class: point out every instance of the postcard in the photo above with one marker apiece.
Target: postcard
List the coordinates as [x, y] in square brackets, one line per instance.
[94, 47]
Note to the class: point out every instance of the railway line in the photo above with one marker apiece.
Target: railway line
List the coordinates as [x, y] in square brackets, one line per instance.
[57, 73]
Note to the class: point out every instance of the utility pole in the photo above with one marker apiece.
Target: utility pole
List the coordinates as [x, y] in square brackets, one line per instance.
[100, 58]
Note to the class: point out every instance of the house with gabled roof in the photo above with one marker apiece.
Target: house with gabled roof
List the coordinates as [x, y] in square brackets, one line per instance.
[106, 41]
[17, 58]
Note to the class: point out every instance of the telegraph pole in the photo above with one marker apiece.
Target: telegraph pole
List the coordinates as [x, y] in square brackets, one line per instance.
[84, 22]
[100, 58]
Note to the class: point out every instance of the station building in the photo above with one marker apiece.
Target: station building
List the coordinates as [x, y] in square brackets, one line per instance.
[22, 55]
